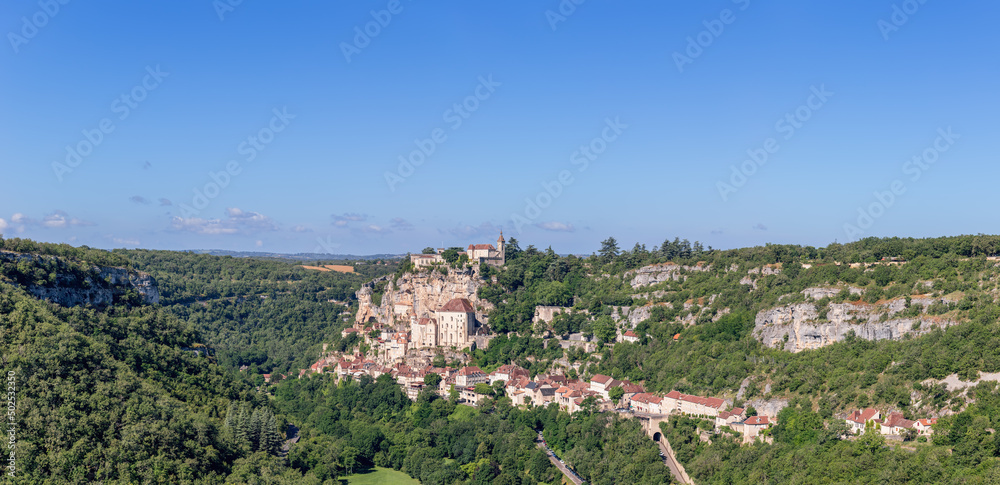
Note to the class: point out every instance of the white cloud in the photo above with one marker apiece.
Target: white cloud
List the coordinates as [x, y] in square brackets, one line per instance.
[125, 242]
[3, 225]
[347, 218]
[56, 220]
[301, 228]
[237, 221]
[400, 224]
[376, 229]
[467, 231]
[556, 226]
[260, 243]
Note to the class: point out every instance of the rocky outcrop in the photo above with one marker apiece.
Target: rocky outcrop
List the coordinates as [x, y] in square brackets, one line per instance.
[96, 286]
[420, 294]
[818, 293]
[635, 315]
[658, 273]
[799, 327]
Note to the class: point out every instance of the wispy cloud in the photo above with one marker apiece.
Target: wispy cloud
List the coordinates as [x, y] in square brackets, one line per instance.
[485, 229]
[375, 229]
[237, 221]
[138, 199]
[301, 228]
[3, 225]
[556, 226]
[400, 224]
[347, 218]
[716, 232]
[123, 241]
[165, 202]
[57, 219]
[760, 227]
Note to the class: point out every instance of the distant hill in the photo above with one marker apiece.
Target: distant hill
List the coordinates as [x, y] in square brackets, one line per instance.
[294, 257]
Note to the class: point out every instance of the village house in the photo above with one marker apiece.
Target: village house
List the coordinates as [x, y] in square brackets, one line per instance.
[753, 426]
[923, 426]
[729, 418]
[601, 384]
[646, 403]
[470, 376]
[630, 390]
[630, 336]
[693, 405]
[857, 420]
[896, 424]
[424, 260]
[424, 332]
[508, 372]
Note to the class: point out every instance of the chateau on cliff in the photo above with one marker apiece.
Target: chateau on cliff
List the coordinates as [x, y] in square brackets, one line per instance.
[477, 253]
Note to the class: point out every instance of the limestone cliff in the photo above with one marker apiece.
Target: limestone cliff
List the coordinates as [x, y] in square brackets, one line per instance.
[804, 328]
[658, 273]
[419, 294]
[70, 286]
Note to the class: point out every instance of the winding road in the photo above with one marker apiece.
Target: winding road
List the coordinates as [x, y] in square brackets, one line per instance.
[570, 474]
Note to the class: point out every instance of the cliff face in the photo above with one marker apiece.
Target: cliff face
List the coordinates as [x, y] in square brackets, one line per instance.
[805, 330]
[97, 286]
[658, 273]
[419, 294]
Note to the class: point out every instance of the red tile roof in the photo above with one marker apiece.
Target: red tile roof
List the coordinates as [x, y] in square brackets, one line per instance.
[460, 305]
[601, 379]
[470, 371]
[482, 246]
[757, 421]
[631, 334]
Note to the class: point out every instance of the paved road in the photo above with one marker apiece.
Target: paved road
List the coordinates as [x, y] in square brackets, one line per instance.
[671, 462]
[570, 474]
[668, 458]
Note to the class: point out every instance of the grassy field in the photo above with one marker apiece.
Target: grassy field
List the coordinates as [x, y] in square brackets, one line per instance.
[379, 476]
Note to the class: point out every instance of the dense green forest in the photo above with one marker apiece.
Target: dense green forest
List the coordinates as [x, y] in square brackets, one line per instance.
[358, 424]
[119, 393]
[270, 315]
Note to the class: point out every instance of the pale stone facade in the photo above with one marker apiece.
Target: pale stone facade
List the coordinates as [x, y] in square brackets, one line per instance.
[456, 323]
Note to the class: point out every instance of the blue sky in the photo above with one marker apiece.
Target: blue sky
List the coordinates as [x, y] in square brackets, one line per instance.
[312, 120]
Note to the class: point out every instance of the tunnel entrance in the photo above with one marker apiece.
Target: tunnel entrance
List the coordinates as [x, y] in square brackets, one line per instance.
[656, 436]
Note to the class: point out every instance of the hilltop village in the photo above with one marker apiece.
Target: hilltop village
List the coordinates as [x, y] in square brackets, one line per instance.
[419, 329]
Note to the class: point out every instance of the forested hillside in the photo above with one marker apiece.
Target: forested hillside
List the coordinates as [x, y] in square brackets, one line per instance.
[270, 315]
[130, 392]
[108, 394]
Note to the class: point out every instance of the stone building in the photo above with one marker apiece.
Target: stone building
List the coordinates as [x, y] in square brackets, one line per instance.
[456, 323]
